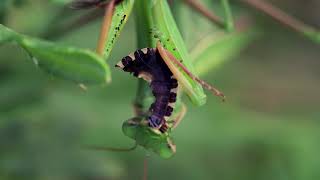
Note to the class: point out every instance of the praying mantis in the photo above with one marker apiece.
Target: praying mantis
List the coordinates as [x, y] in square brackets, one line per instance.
[158, 28]
[152, 129]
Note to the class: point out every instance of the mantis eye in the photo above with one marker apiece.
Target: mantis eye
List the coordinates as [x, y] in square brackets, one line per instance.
[131, 126]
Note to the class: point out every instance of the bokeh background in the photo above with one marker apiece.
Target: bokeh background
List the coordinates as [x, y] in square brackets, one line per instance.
[268, 129]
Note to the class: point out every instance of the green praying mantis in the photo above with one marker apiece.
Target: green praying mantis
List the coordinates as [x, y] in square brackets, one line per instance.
[166, 35]
[163, 31]
[156, 28]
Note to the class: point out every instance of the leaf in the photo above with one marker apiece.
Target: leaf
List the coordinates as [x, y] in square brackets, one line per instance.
[120, 16]
[171, 39]
[6, 34]
[212, 52]
[70, 63]
[313, 35]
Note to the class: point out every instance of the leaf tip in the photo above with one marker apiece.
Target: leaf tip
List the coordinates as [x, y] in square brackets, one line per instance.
[108, 80]
[83, 87]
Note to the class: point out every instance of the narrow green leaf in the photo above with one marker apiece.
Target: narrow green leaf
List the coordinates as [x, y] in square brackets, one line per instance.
[172, 41]
[313, 35]
[6, 34]
[212, 51]
[75, 64]
[120, 16]
[228, 15]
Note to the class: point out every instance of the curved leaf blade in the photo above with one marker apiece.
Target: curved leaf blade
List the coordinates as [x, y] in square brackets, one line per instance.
[211, 52]
[313, 35]
[120, 16]
[70, 63]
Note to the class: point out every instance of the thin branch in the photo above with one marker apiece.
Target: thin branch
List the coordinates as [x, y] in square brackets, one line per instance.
[105, 27]
[278, 15]
[85, 4]
[145, 168]
[200, 8]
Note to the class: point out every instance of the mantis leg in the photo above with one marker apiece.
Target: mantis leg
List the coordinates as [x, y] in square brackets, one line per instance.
[137, 110]
[171, 62]
[179, 117]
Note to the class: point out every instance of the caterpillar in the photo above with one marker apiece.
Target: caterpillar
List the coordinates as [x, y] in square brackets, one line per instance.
[148, 64]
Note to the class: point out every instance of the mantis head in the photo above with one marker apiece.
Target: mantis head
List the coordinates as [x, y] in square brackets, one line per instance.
[160, 143]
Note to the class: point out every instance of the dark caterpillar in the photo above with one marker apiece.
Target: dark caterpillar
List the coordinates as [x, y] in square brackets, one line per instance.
[149, 65]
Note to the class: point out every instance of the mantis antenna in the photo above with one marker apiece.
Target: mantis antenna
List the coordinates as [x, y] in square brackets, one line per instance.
[169, 58]
[101, 148]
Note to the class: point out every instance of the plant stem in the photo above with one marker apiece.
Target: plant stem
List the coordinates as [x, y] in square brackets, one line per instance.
[143, 26]
[278, 15]
[200, 8]
[145, 168]
[229, 23]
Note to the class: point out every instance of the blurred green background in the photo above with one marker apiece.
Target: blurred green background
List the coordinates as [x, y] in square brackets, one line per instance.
[267, 129]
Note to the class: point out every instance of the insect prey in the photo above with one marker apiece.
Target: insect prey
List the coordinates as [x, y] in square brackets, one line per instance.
[147, 63]
[153, 65]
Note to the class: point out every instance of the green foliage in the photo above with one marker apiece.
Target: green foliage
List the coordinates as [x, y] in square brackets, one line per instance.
[120, 16]
[228, 15]
[313, 35]
[6, 4]
[78, 65]
[212, 52]
[28, 152]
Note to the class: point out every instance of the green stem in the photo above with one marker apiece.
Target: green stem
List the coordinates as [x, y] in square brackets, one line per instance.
[143, 25]
[229, 23]
[203, 10]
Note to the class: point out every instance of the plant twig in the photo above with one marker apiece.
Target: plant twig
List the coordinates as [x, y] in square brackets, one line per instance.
[143, 26]
[278, 15]
[145, 168]
[196, 5]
